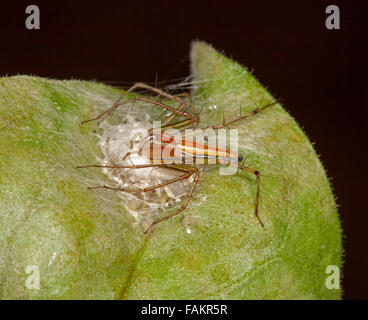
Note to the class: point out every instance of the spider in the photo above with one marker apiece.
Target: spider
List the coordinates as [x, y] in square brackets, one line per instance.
[165, 151]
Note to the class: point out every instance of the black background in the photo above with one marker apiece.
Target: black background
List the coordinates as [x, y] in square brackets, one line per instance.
[319, 74]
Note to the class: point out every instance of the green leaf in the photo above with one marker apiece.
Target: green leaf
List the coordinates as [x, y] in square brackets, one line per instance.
[87, 246]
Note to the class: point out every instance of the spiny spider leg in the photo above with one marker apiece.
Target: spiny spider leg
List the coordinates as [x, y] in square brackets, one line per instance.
[162, 105]
[181, 106]
[258, 180]
[165, 183]
[189, 171]
[241, 117]
[177, 111]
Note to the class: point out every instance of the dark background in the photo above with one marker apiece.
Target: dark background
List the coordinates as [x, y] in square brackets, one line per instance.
[319, 74]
